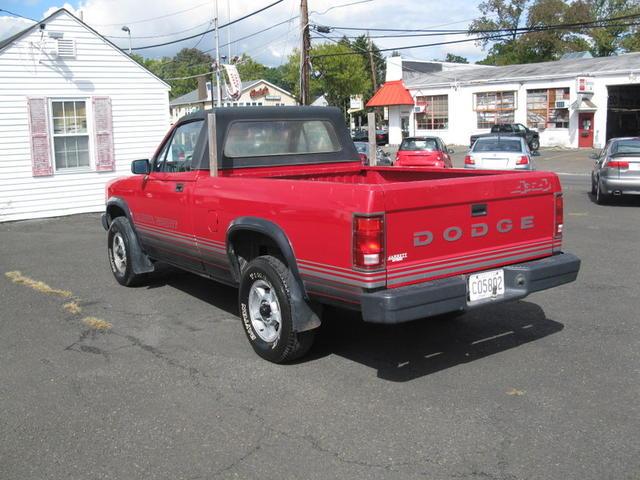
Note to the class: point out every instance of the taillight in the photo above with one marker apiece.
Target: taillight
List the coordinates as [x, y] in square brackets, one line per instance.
[363, 158]
[559, 215]
[617, 164]
[368, 242]
[469, 161]
[523, 160]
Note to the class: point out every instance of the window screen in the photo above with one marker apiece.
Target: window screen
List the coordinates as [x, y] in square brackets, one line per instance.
[280, 137]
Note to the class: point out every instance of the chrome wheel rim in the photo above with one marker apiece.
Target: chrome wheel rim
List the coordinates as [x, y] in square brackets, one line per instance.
[119, 252]
[264, 311]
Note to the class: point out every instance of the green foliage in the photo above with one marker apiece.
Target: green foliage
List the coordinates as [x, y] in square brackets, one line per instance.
[548, 45]
[455, 58]
[249, 69]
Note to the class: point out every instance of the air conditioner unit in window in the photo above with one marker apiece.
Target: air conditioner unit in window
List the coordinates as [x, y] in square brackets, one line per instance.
[66, 48]
[562, 104]
[419, 109]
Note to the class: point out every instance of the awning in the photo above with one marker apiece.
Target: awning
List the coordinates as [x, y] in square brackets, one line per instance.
[391, 93]
[584, 105]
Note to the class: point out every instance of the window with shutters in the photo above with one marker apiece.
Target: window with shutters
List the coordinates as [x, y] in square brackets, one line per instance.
[495, 107]
[70, 134]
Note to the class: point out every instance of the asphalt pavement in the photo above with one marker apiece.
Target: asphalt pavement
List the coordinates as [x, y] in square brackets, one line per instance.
[99, 381]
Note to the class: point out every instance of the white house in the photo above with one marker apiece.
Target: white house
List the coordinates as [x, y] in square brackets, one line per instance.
[256, 93]
[75, 110]
[574, 102]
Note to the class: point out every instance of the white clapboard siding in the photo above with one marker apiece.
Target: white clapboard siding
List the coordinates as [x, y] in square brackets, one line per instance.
[30, 68]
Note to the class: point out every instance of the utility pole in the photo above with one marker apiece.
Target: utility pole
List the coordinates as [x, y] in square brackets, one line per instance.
[218, 84]
[304, 53]
[229, 30]
[373, 68]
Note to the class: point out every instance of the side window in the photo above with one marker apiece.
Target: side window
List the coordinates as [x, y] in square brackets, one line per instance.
[177, 154]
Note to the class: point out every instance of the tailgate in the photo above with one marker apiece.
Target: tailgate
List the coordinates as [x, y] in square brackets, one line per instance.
[456, 226]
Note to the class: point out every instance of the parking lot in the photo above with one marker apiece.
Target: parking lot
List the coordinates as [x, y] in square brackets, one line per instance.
[102, 381]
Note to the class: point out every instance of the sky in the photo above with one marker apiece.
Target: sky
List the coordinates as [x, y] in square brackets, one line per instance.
[157, 21]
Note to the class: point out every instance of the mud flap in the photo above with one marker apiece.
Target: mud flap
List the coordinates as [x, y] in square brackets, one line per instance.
[305, 316]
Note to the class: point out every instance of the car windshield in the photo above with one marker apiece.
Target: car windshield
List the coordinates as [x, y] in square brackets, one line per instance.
[417, 144]
[361, 147]
[497, 145]
[626, 147]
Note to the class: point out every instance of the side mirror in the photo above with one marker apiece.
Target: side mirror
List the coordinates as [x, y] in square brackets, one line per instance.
[451, 150]
[140, 167]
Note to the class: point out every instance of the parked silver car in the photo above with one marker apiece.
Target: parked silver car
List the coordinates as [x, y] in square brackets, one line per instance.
[617, 169]
[499, 153]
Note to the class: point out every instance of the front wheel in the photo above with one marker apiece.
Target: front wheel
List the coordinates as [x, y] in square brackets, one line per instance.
[119, 242]
[267, 313]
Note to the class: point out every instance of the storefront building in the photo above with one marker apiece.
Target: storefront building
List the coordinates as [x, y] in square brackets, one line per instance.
[572, 103]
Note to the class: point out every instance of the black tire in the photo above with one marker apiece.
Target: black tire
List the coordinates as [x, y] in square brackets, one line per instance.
[593, 187]
[535, 145]
[121, 235]
[272, 276]
[601, 197]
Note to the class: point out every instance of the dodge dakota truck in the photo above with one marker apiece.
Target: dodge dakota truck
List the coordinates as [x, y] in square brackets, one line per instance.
[276, 202]
[511, 129]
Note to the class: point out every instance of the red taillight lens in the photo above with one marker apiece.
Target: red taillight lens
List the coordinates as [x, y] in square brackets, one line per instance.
[559, 215]
[368, 242]
[523, 160]
[363, 158]
[469, 161]
[616, 164]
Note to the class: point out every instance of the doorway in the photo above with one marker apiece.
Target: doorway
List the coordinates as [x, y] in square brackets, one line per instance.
[585, 130]
[623, 111]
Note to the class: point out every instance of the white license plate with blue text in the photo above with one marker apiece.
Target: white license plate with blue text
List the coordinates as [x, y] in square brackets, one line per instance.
[486, 285]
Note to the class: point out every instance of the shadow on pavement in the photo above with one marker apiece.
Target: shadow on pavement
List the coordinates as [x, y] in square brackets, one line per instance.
[408, 351]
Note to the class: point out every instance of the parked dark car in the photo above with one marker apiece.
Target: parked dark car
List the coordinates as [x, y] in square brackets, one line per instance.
[512, 129]
[363, 150]
[617, 169]
[360, 135]
[382, 137]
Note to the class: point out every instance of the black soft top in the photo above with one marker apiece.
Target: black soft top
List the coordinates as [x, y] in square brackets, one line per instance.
[226, 116]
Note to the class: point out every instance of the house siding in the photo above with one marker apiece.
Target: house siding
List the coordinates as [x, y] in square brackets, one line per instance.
[140, 116]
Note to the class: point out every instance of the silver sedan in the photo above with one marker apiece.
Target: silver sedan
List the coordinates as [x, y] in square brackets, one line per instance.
[499, 153]
[617, 169]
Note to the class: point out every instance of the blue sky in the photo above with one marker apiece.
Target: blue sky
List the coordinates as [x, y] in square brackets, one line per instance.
[272, 47]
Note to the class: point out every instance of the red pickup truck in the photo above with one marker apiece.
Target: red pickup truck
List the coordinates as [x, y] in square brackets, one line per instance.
[276, 202]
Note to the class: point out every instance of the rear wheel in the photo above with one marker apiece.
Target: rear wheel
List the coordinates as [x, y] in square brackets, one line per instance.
[535, 144]
[267, 313]
[601, 197]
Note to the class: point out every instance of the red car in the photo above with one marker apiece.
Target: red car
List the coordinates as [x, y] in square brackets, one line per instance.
[275, 201]
[423, 152]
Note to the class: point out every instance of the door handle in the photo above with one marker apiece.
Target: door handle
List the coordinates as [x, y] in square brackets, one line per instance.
[179, 187]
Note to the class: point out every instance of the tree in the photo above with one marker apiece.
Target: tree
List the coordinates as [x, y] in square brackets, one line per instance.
[455, 58]
[503, 15]
[609, 40]
[249, 69]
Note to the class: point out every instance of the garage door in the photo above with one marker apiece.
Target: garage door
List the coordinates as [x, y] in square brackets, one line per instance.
[623, 111]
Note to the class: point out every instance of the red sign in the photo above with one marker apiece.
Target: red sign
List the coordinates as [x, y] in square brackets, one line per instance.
[260, 92]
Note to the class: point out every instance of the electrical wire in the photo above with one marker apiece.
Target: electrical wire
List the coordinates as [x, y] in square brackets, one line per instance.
[159, 35]
[17, 15]
[210, 30]
[149, 19]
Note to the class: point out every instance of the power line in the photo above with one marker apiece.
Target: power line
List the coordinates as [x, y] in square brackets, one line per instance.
[495, 35]
[210, 30]
[149, 19]
[159, 35]
[17, 15]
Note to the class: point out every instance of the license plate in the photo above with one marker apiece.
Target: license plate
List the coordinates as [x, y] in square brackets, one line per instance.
[634, 166]
[486, 285]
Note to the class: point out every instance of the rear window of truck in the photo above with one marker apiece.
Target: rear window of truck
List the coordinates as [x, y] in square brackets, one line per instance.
[263, 138]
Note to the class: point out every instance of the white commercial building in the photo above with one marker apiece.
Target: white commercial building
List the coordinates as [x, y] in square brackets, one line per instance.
[75, 111]
[578, 102]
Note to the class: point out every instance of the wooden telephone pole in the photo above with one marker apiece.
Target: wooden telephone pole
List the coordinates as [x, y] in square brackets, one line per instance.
[372, 63]
[304, 53]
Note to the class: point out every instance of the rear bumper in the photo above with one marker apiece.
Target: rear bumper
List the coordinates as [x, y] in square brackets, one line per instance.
[623, 185]
[450, 294]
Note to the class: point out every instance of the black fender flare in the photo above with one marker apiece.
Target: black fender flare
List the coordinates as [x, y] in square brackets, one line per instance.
[140, 260]
[308, 316]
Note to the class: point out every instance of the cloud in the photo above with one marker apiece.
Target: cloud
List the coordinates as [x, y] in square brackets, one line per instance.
[161, 19]
[12, 25]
